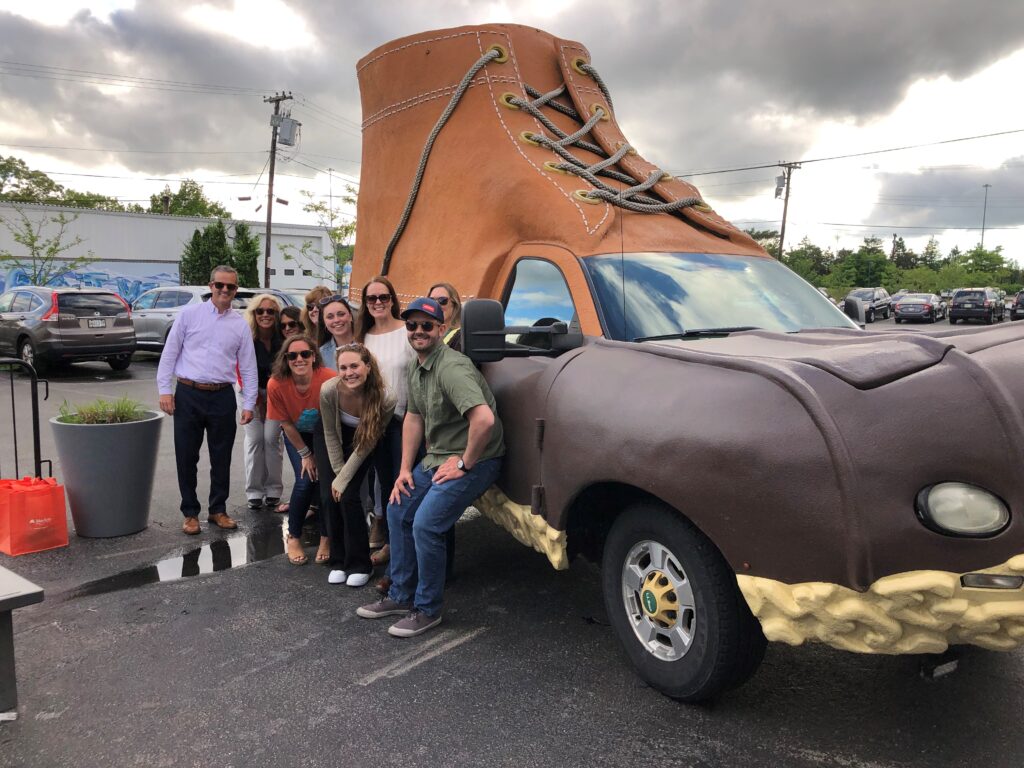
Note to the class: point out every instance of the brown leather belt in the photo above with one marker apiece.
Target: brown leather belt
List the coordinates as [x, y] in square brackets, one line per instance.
[206, 387]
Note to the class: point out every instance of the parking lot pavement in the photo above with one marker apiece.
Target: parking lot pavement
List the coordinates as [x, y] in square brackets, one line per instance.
[141, 656]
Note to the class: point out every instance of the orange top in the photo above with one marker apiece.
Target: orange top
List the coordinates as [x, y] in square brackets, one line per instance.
[285, 403]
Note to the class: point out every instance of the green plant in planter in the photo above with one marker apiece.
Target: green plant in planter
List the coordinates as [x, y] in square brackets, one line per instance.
[103, 412]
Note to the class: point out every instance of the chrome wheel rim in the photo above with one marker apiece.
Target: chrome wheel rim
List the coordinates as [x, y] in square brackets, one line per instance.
[658, 600]
[27, 354]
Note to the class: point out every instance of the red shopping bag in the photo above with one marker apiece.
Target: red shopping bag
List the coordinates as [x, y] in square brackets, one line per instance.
[33, 515]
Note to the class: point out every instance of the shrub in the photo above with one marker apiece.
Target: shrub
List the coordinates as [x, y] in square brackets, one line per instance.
[103, 412]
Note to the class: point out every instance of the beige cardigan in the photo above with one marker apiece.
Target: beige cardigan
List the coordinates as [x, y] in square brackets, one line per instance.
[344, 470]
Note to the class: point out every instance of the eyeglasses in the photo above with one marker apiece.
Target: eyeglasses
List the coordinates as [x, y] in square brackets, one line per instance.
[310, 307]
[330, 300]
[289, 326]
[305, 354]
[264, 311]
[384, 298]
[225, 286]
[442, 300]
[426, 325]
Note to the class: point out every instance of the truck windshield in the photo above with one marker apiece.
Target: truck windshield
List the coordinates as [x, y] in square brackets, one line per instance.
[656, 294]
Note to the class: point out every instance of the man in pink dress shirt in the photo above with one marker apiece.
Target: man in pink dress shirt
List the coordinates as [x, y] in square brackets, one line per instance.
[206, 343]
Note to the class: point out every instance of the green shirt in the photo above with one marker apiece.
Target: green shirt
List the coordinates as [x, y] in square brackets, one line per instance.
[441, 389]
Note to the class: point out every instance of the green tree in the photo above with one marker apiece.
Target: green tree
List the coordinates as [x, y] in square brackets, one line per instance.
[866, 267]
[20, 183]
[189, 200]
[931, 256]
[44, 255]
[901, 256]
[980, 259]
[207, 249]
[245, 256]
[767, 239]
[809, 261]
[339, 230]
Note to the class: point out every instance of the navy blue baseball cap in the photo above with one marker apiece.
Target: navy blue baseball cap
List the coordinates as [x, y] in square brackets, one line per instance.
[425, 305]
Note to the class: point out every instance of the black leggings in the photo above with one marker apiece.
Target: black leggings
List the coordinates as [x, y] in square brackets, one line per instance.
[346, 523]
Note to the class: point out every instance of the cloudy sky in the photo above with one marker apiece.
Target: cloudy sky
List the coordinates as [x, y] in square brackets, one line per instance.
[117, 96]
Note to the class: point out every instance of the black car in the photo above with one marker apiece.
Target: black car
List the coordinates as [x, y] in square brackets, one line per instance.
[876, 302]
[1017, 307]
[976, 304]
[65, 325]
[919, 306]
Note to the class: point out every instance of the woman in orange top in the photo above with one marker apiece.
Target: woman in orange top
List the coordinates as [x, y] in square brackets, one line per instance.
[293, 398]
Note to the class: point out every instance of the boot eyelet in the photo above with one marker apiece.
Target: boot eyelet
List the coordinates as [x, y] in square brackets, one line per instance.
[506, 100]
[527, 136]
[578, 64]
[604, 110]
[502, 56]
[666, 176]
[618, 146]
[584, 197]
[553, 166]
[704, 207]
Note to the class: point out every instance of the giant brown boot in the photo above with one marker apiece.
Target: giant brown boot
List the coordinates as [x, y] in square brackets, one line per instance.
[479, 139]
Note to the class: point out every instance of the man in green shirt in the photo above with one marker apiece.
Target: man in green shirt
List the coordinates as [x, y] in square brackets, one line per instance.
[452, 407]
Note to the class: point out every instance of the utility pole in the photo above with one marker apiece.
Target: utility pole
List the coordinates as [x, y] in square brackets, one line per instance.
[788, 169]
[275, 122]
[984, 211]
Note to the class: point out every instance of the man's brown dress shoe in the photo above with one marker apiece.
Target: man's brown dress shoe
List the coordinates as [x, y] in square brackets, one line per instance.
[222, 520]
[191, 525]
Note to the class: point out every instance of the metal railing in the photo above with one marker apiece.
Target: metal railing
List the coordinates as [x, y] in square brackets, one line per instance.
[11, 365]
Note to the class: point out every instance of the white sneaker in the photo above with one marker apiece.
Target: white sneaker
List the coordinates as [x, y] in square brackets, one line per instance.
[337, 577]
[358, 579]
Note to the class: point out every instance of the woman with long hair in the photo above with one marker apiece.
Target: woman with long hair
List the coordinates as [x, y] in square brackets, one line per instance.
[263, 449]
[382, 330]
[446, 295]
[355, 412]
[311, 314]
[336, 327]
[293, 398]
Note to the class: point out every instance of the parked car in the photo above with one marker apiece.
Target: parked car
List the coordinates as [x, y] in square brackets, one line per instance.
[1017, 307]
[977, 304]
[876, 302]
[155, 310]
[824, 292]
[45, 326]
[919, 306]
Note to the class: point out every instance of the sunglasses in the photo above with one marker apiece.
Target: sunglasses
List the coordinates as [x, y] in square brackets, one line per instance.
[426, 325]
[330, 300]
[305, 354]
[384, 298]
[289, 326]
[264, 311]
[225, 286]
[442, 300]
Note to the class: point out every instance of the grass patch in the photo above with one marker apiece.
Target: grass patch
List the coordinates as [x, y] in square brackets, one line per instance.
[103, 412]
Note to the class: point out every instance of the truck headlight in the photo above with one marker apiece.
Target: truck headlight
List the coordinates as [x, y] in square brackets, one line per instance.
[960, 509]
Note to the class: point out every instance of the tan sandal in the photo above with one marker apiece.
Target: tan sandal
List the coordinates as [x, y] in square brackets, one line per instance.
[299, 559]
[323, 552]
[381, 556]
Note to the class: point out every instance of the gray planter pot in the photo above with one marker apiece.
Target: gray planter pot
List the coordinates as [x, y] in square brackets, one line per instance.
[108, 473]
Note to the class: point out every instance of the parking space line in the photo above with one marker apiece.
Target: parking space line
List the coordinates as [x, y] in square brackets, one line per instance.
[430, 649]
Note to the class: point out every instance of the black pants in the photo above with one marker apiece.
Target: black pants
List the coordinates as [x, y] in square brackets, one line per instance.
[346, 522]
[197, 413]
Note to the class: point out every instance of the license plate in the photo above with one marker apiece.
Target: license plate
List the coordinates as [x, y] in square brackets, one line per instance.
[968, 306]
[97, 323]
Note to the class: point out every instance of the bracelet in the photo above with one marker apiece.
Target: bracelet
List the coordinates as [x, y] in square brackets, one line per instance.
[304, 452]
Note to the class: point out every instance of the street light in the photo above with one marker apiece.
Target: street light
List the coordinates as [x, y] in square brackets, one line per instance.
[984, 211]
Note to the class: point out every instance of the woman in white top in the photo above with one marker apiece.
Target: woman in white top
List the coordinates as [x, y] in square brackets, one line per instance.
[382, 330]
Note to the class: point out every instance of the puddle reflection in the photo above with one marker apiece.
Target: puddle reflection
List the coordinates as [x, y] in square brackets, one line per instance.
[220, 555]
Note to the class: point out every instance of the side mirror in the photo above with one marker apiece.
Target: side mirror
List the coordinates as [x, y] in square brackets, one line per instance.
[483, 330]
[854, 309]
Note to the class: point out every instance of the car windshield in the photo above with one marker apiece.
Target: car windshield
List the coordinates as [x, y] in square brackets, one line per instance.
[864, 293]
[969, 295]
[657, 294]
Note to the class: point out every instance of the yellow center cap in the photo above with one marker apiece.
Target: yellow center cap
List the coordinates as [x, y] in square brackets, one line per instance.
[659, 599]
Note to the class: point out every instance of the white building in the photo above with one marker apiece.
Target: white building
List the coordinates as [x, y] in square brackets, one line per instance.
[134, 252]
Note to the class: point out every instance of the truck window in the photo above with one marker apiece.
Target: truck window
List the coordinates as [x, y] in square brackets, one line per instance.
[538, 295]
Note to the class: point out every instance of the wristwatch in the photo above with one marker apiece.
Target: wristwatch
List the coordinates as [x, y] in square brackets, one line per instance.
[462, 465]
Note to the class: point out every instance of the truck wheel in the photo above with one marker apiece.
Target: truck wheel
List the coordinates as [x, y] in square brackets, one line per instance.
[675, 606]
[120, 363]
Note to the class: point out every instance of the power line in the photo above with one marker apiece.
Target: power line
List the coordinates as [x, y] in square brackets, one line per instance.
[138, 151]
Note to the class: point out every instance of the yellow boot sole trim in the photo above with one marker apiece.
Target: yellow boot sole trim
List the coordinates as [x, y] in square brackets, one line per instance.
[528, 528]
[914, 612]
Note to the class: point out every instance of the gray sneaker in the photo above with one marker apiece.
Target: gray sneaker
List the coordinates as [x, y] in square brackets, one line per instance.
[416, 623]
[383, 607]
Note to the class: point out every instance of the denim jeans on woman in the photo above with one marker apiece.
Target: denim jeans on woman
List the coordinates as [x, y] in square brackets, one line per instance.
[304, 492]
[419, 523]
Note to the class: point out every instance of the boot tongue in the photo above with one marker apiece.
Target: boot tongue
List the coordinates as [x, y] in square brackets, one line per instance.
[586, 97]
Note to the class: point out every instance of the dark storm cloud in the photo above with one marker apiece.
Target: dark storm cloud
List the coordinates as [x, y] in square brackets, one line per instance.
[697, 85]
[953, 197]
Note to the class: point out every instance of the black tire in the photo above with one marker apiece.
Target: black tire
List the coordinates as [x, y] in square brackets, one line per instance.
[120, 363]
[725, 645]
[888, 312]
[27, 354]
[899, 320]
[952, 321]
[869, 316]
[991, 318]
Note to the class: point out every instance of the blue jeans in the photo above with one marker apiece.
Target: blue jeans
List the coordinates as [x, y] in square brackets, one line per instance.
[418, 526]
[304, 492]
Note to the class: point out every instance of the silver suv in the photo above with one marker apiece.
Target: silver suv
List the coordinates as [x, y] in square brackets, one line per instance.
[65, 325]
[154, 311]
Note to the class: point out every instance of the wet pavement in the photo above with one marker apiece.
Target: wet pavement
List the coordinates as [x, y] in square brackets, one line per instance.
[159, 649]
